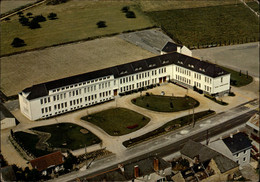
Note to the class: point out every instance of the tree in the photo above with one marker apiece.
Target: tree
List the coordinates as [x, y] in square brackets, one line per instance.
[70, 160]
[24, 21]
[29, 14]
[130, 14]
[54, 2]
[17, 42]
[125, 9]
[20, 13]
[52, 16]
[39, 18]
[34, 24]
[7, 19]
[101, 24]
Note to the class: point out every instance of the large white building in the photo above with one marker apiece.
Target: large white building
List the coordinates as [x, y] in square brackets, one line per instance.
[71, 93]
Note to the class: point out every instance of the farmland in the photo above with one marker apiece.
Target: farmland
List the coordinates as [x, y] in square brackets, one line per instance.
[24, 70]
[221, 25]
[76, 20]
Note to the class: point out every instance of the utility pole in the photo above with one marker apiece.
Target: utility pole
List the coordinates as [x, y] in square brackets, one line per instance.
[207, 139]
[193, 117]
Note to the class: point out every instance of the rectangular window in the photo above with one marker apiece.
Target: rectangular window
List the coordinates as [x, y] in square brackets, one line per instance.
[42, 101]
[60, 96]
[42, 110]
[65, 104]
[49, 108]
[45, 100]
[71, 103]
[221, 79]
[64, 95]
[58, 106]
[62, 105]
[49, 99]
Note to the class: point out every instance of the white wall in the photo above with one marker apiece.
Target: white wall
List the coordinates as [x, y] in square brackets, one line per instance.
[186, 51]
[221, 83]
[243, 157]
[7, 123]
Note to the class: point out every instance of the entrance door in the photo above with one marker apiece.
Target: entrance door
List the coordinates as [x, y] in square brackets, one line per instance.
[164, 79]
[115, 92]
[160, 80]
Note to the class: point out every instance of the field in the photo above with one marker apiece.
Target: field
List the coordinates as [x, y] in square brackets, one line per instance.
[7, 5]
[165, 103]
[155, 5]
[24, 70]
[171, 125]
[194, 27]
[254, 6]
[118, 121]
[76, 20]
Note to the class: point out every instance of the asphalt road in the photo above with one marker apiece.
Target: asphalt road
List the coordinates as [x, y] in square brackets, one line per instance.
[174, 147]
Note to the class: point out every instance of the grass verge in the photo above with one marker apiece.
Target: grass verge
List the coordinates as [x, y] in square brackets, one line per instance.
[117, 121]
[221, 25]
[165, 103]
[69, 136]
[215, 100]
[170, 126]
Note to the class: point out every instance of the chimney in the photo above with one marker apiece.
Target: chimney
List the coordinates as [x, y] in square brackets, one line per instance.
[121, 167]
[156, 164]
[136, 171]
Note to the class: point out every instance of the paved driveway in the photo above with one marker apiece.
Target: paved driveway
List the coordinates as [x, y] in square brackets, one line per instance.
[243, 57]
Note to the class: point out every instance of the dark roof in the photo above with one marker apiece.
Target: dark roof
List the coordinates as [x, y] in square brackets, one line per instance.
[170, 47]
[8, 173]
[195, 149]
[203, 67]
[238, 142]
[4, 112]
[43, 162]
[115, 175]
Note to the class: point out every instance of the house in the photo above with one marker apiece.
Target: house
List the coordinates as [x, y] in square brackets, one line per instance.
[48, 163]
[170, 47]
[67, 94]
[7, 174]
[142, 170]
[206, 164]
[7, 118]
[239, 145]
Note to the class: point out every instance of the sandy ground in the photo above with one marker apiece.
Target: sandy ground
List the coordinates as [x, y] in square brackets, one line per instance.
[114, 143]
[24, 70]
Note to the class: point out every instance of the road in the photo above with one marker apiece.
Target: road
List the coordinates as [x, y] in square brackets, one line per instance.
[222, 122]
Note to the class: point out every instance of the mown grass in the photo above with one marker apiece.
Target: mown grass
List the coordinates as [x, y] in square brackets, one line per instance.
[165, 103]
[254, 6]
[28, 142]
[221, 25]
[237, 80]
[117, 120]
[76, 20]
[171, 125]
[67, 135]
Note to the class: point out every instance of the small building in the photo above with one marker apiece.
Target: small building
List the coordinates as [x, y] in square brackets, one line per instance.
[170, 47]
[239, 145]
[48, 163]
[206, 164]
[149, 169]
[7, 118]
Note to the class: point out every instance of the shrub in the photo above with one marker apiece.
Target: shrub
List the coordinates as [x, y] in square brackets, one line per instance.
[55, 2]
[125, 9]
[24, 21]
[34, 24]
[29, 14]
[147, 94]
[7, 19]
[52, 16]
[17, 42]
[101, 24]
[39, 18]
[231, 94]
[130, 14]
[20, 13]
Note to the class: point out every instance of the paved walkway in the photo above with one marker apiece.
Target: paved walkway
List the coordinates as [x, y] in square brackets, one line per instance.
[114, 143]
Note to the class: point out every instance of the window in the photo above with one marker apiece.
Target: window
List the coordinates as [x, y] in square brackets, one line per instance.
[221, 79]
[244, 159]
[49, 99]
[54, 98]
[42, 110]
[41, 101]
[49, 108]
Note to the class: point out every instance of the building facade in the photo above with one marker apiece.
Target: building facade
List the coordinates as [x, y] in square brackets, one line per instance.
[60, 96]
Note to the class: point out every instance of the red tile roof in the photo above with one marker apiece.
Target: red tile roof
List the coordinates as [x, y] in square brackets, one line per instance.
[43, 162]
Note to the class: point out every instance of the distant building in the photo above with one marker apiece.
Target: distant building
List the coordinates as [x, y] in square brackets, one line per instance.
[7, 118]
[60, 96]
[206, 164]
[48, 163]
[149, 169]
[239, 145]
[170, 47]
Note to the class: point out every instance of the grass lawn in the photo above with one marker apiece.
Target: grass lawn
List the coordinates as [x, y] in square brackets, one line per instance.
[29, 141]
[67, 135]
[206, 25]
[254, 6]
[171, 125]
[236, 80]
[76, 20]
[118, 121]
[163, 103]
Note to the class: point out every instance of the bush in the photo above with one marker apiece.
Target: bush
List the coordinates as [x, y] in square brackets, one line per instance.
[24, 21]
[125, 9]
[130, 14]
[231, 94]
[34, 24]
[52, 16]
[55, 2]
[29, 14]
[17, 42]
[7, 19]
[101, 24]
[39, 18]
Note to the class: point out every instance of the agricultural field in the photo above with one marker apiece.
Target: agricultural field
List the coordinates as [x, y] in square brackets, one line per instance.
[221, 25]
[118, 121]
[7, 5]
[254, 6]
[153, 5]
[76, 21]
[24, 70]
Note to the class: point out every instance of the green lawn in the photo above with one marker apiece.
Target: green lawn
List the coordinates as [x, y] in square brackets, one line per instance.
[171, 125]
[29, 141]
[118, 121]
[67, 135]
[76, 20]
[217, 24]
[237, 80]
[254, 6]
[163, 103]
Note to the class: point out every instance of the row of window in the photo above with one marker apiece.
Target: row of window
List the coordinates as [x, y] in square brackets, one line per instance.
[45, 100]
[183, 71]
[60, 106]
[197, 84]
[183, 79]
[59, 96]
[207, 88]
[197, 76]
[79, 84]
[46, 109]
[105, 94]
[207, 80]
